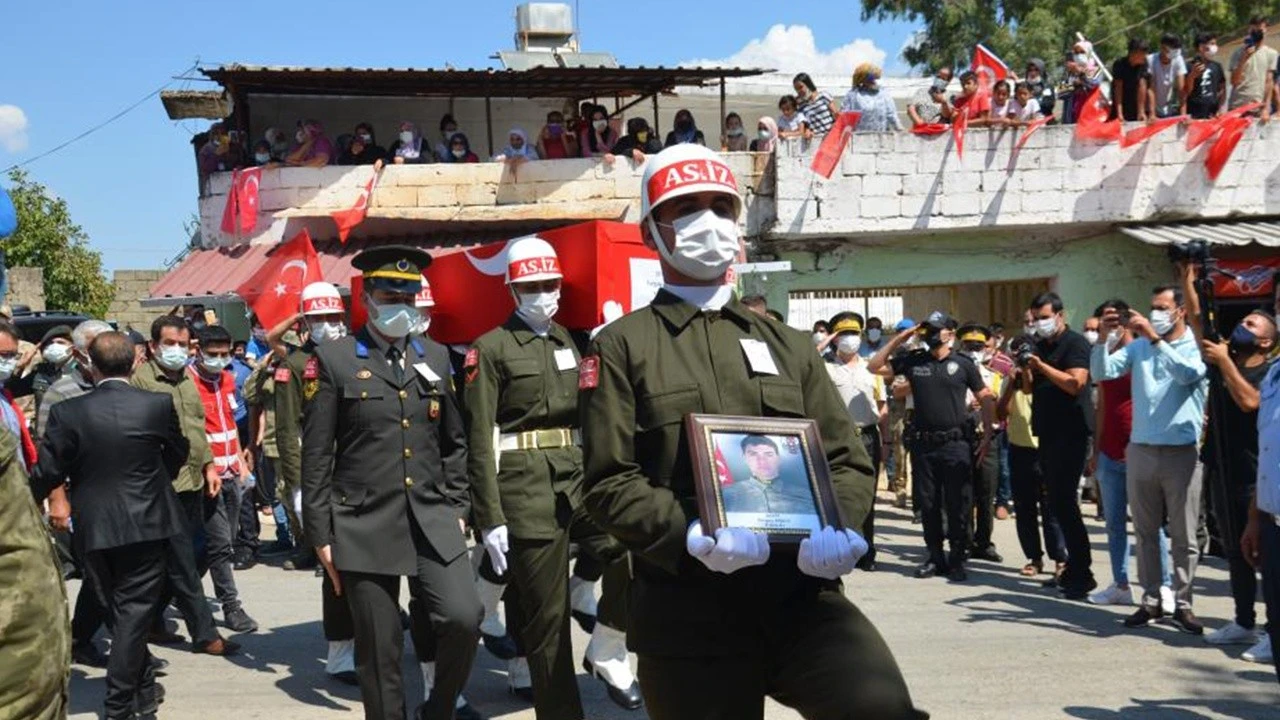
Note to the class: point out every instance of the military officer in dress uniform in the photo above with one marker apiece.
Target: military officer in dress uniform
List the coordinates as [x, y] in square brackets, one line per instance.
[526, 472]
[719, 622]
[384, 486]
[324, 315]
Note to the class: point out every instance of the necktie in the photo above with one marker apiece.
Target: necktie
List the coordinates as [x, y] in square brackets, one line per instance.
[397, 368]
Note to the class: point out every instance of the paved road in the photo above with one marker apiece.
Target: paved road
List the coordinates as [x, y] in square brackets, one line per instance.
[997, 646]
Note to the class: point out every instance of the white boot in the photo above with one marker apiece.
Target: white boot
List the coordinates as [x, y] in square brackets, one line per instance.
[607, 657]
[518, 677]
[342, 657]
[428, 679]
[582, 596]
[490, 596]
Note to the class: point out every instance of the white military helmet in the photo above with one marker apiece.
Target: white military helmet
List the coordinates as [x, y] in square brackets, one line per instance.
[683, 170]
[530, 259]
[321, 298]
[424, 298]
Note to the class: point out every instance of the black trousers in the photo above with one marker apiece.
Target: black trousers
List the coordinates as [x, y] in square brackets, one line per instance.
[986, 478]
[511, 595]
[335, 614]
[90, 612]
[182, 586]
[870, 437]
[824, 659]
[1031, 504]
[1230, 505]
[131, 578]
[453, 608]
[943, 473]
[1062, 458]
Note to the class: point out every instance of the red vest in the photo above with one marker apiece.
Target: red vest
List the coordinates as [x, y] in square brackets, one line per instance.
[220, 420]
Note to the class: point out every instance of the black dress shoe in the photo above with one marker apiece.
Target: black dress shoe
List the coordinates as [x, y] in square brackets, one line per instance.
[987, 553]
[524, 693]
[929, 569]
[1079, 589]
[628, 699]
[867, 563]
[88, 654]
[159, 666]
[957, 574]
[1143, 616]
[503, 648]
[244, 561]
[148, 700]
[164, 637]
[585, 621]
[302, 560]
[346, 677]
[915, 517]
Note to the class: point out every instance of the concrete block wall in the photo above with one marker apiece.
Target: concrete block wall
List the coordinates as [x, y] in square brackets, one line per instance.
[902, 183]
[26, 287]
[126, 308]
[544, 189]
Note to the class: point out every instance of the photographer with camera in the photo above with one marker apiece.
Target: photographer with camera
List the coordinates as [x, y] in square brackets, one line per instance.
[1062, 416]
[1241, 363]
[1169, 389]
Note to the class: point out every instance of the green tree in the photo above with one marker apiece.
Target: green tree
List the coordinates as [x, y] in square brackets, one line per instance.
[48, 239]
[1017, 30]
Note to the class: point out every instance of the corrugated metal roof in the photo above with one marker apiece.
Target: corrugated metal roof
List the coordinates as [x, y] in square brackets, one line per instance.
[569, 82]
[1226, 232]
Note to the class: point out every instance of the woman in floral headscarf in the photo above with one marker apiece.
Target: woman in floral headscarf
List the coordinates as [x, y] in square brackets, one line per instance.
[878, 111]
[409, 146]
[311, 147]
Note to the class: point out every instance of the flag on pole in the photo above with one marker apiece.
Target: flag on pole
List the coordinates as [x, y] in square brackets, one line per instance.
[275, 290]
[348, 219]
[833, 145]
[988, 63]
[1232, 130]
[1148, 131]
[1031, 128]
[240, 215]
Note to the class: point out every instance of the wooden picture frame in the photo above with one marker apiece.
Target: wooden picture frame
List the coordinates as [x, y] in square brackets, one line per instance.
[728, 451]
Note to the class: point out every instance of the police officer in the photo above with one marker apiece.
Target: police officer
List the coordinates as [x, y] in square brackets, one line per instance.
[324, 315]
[526, 471]
[941, 438]
[974, 340]
[720, 622]
[384, 486]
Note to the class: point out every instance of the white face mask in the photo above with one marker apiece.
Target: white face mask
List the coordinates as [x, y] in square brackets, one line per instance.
[406, 137]
[323, 332]
[1091, 336]
[600, 125]
[7, 366]
[706, 245]
[1046, 327]
[1162, 321]
[818, 337]
[1211, 50]
[849, 343]
[56, 353]
[764, 134]
[366, 138]
[873, 335]
[734, 132]
[262, 157]
[1113, 338]
[539, 308]
[172, 357]
[214, 365]
[459, 153]
[396, 320]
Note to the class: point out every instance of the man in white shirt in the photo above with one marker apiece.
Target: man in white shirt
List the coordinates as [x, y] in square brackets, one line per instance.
[862, 394]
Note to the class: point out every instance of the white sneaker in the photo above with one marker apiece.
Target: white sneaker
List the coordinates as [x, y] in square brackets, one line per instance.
[1260, 652]
[1113, 595]
[1232, 634]
[1167, 602]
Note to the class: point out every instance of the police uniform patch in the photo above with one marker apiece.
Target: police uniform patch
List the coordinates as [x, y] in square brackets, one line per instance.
[952, 367]
[282, 374]
[589, 372]
[312, 370]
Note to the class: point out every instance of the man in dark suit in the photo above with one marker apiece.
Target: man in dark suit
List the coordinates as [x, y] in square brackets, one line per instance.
[384, 486]
[119, 447]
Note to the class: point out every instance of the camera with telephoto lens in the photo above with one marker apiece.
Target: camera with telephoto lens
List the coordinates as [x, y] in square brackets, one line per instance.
[1192, 251]
[1023, 348]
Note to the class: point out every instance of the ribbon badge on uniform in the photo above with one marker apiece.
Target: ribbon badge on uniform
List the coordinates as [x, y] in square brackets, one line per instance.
[311, 377]
[433, 410]
[472, 365]
[589, 372]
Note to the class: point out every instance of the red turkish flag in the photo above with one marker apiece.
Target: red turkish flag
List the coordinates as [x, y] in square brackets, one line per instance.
[722, 469]
[833, 145]
[1092, 123]
[989, 64]
[1201, 130]
[959, 126]
[1148, 131]
[275, 290]
[1220, 153]
[241, 212]
[348, 219]
[930, 129]
[1032, 126]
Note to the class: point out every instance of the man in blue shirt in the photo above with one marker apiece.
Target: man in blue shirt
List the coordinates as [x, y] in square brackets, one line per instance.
[1169, 390]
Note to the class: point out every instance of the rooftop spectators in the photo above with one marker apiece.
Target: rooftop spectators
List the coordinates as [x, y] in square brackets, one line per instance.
[597, 137]
[311, 147]
[448, 126]
[410, 147]
[460, 150]
[815, 106]
[766, 135]
[1205, 89]
[555, 142]
[685, 131]
[638, 142]
[364, 148]
[925, 107]
[878, 111]
[518, 149]
[790, 121]
[735, 136]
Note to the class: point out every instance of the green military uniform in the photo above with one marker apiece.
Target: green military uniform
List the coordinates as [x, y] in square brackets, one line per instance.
[295, 380]
[712, 645]
[186, 400]
[522, 393]
[35, 635]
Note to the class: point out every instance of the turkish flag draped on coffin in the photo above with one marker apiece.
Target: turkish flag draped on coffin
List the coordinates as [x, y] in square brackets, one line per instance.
[274, 292]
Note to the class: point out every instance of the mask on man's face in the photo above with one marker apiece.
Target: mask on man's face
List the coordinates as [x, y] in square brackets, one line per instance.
[172, 357]
[1162, 321]
[706, 244]
[1243, 341]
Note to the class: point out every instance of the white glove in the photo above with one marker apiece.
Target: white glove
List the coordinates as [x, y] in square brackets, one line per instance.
[611, 310]
[730, 551]
[829, 553]
[495, 543]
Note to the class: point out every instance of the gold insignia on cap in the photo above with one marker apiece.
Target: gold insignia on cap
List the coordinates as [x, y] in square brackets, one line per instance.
[402, 265]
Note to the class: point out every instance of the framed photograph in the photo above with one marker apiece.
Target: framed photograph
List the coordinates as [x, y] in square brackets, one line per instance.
[766, 474]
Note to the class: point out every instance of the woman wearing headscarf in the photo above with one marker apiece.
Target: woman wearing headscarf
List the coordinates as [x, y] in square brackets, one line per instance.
[598, 138]
[685, 131]
[448, 126]
[409, 148]
[312, 148]
[735, 135]
[460, 150]
[1083, 75]
[766, 135]
[518, 148]
[878, 111]
[1041, 89]
[364, 149]
[279, 140]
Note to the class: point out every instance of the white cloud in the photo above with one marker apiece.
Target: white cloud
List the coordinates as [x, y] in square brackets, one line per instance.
[791, 49]
[13, 128]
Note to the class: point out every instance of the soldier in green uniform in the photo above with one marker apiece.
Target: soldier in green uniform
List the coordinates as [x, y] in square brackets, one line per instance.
[384, 487]
[35, 635]
[526, 473]
[720, 622]
[324, 314]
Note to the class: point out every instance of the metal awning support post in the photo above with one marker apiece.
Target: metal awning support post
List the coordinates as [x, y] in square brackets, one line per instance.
[488, 122]
[655, 114]
[724, 108]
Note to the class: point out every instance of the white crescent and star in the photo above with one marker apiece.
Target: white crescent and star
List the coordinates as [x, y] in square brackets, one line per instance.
[493, 266]
[281, 288]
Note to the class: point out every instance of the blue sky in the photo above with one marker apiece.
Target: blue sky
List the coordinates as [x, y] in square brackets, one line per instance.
[69, 65]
